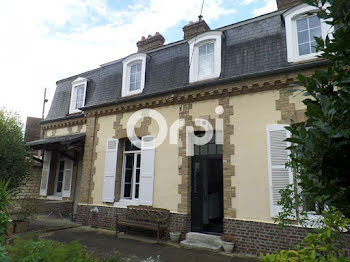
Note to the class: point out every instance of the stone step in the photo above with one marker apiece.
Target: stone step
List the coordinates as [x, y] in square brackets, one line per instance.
[202, 241]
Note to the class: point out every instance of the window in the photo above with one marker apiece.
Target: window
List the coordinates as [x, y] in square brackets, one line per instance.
[301, 30]
[59, 178]
[134, 69]
[135, 77]
[206, 59]
[205, 56]
[78, 95]
[308, 28]
[131, 171]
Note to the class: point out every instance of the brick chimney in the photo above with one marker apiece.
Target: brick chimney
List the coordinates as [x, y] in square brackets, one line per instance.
[151, 42]
[281, 4]
[194, 28]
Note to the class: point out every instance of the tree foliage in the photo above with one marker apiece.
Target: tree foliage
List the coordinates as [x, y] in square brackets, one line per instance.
[14, 154]
[320, 150]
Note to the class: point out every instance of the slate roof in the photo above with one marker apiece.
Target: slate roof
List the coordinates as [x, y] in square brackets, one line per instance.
[250, 48]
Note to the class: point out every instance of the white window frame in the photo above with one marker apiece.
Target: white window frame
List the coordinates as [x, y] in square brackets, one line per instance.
[77, 82]
[123, 200]
[290, 18]
[56, 178]
[127, 63]
[194, 44]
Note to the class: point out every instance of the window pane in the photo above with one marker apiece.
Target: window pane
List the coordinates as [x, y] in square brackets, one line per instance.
[210, 48]
[303, 37]
[316, 32]
[219, 149]
[128, 175]
[61, 168]
[202, 50]
[137, 191]
[129, 160]
[212, 149]
[137, 175]
[138, 67]
[138, 77]
[138, 160]
[132, 78]
[59, 187]
[60, 177]
[314, 21]
[132, 86]
[79, 102]
[302, 24]
[304, 49]
[127, 190]
[204, 149]
[133, 69]
[137, 85]
[313, 46]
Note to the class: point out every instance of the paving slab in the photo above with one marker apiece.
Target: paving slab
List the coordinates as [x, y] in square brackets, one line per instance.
[132, 248]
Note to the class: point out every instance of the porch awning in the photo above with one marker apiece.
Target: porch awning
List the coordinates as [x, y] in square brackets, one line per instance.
[57, 141]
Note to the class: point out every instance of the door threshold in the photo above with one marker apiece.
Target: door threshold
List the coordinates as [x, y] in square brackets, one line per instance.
[211, 233]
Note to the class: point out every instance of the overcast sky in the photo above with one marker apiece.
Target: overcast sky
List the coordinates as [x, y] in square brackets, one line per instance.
[42, 41]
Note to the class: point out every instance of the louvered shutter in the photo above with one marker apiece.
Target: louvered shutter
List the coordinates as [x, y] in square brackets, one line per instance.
[110, 170]
[279, 175]
[147, 170]
[67, 178]
[45, 173]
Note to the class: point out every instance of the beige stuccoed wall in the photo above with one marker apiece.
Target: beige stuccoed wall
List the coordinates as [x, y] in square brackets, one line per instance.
[204, 108]
[105, 132]
[65, 131]
[252, 112]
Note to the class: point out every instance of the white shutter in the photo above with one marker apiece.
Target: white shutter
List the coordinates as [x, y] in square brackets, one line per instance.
[279, 175]
[67, 178]
[45, 173]
[147, 170]
[110, 170]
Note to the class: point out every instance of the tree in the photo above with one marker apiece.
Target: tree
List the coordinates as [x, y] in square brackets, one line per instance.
[15, 159]
[320, 150]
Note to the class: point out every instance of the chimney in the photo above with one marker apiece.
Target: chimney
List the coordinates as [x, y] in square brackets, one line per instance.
[281, 4]
[151, 42]
[195, 28]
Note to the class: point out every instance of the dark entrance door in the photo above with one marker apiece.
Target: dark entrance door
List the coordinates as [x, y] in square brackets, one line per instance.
[207, 190]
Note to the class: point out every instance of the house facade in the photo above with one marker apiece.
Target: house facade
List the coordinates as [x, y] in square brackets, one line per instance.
[234, 80]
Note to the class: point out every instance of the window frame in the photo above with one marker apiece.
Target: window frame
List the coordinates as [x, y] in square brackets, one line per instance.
[127, 63]
[290, 18]
[194, 44]
[75, 84]
[133, 178]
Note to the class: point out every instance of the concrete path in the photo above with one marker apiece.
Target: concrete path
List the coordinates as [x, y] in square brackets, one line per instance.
[102, 243]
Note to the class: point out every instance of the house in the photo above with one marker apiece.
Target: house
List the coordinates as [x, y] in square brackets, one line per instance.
[235, 79]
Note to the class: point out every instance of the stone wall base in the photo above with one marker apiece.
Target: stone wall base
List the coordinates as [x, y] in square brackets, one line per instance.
[251, 238]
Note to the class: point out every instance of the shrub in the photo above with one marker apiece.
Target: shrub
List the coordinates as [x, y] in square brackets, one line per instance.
[5, 220]
[323, 245]
[47, 251]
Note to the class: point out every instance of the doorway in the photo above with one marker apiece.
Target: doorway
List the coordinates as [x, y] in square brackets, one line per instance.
[207, 189]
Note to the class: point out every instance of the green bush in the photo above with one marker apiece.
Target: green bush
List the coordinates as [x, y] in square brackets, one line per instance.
[47, 251]
[5, 220]
[323, 245]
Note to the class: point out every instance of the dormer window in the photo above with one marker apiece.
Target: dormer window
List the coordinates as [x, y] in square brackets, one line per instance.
[302, 26]
[78, 95]
[205, 56]
[134, 69]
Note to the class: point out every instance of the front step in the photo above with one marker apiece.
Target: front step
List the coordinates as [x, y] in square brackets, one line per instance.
[202, 241]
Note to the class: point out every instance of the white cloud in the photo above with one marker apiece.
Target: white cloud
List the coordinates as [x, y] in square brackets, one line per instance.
[33, 56]
[270, 6]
